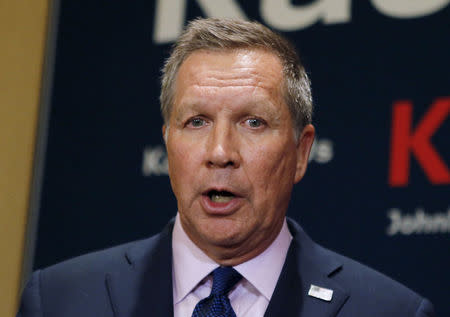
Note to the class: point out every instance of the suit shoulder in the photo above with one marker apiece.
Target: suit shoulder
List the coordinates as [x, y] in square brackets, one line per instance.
[377, 290]
[362, 275]
[97, 263]
[367, 291]
[78, 286]
[351, 274]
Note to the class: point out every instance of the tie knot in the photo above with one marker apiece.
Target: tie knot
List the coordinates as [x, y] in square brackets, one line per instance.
[224, 278]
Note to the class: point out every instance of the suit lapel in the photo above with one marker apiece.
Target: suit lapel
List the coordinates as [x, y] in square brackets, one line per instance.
[305, 264]
[143, 286]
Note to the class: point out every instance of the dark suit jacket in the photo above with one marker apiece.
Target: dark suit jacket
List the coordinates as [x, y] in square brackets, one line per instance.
[135, 279]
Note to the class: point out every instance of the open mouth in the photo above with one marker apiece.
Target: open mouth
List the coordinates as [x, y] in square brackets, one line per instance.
[222, 196]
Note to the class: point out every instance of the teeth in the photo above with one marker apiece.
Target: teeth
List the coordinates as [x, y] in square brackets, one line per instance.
[217, 198]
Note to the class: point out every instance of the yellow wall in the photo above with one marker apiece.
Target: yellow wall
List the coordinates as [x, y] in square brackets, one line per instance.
[22, 39]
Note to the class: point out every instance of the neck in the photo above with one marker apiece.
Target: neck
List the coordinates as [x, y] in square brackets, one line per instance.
[229, 254]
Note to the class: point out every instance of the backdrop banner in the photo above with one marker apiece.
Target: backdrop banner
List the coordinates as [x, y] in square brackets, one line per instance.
[377, 187]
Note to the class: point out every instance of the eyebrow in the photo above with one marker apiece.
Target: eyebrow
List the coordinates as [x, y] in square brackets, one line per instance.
[261, 108]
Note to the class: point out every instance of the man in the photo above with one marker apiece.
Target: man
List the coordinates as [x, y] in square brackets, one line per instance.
[237, 111]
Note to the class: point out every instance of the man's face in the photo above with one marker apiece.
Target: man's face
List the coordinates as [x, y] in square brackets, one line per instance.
[233, 157]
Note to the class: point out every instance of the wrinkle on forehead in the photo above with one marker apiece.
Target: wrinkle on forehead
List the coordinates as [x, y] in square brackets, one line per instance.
[243, 69]
[233, 77]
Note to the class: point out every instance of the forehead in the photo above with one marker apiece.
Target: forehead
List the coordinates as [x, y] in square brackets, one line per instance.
[240, 67]
[230, 70]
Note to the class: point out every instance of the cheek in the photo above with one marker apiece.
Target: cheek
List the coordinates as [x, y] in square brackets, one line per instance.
[185, 172]
[179, 167]
[271, 163]
[181, 155]
[271, 172]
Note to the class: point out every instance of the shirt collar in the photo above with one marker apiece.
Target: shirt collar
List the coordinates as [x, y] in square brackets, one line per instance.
[191, 265]
[263, 270]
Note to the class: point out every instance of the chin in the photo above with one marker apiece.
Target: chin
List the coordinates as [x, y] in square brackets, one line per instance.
[223, 237]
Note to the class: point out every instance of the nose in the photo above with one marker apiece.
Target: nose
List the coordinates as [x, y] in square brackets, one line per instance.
[223, 147]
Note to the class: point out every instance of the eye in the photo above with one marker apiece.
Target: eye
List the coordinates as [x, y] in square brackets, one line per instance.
[196, 122]
[254, 122]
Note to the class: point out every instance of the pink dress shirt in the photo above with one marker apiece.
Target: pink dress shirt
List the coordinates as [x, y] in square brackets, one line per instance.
[249, 298]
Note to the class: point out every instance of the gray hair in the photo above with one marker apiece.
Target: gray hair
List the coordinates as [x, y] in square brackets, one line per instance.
[224, 34]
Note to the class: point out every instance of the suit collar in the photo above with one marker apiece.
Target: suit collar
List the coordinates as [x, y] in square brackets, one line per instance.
[143, 284]
[306, 263]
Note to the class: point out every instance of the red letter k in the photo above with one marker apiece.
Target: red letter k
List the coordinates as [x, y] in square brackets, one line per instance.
[404, 141]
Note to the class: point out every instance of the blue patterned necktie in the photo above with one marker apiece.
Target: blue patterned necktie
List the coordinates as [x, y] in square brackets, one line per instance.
[217, 304]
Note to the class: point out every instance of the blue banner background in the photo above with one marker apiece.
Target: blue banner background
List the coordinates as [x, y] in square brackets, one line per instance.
[104, 146]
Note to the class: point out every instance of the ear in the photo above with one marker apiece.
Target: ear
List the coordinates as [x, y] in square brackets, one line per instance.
[304, 145]
[164, 133]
